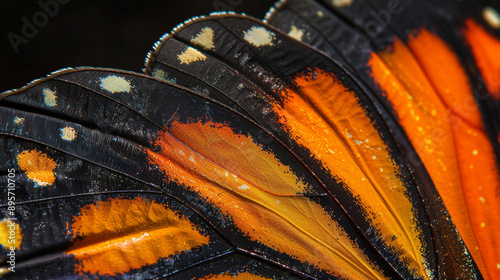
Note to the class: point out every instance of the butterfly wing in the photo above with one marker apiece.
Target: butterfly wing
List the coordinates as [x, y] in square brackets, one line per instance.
[412, 77]
[88, 147]
[261, 158]
[301, 104]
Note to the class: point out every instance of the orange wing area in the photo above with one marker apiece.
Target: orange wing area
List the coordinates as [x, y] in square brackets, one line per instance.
[485, 48]
[137, 233]
[432, 96]
[259, 194]
[346, 142]
[221, 165]
[38, 167]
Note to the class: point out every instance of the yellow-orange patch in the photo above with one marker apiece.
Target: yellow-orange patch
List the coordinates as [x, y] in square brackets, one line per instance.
[38, 166]
[258, 193]
[10, 234]
[115, 236]
[327, 119]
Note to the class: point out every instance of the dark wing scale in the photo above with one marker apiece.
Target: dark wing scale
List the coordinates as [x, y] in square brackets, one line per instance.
[271, 71]
[232, 266]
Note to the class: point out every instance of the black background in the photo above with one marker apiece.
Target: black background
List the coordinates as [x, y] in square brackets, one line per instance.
[110, 34]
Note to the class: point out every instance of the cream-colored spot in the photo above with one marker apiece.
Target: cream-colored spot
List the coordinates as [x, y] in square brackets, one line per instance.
[498, 265]
[483, 225]
[320, 14]
[49, 97]
[492, 17]
[474, 152]
[115, 84]
[191, 55]
[296, 33]
[341, 3]
[259, 36]
[68, 133]
[205, 38]
[482, 199]
[244, 187]
[18, 120]
[348, 134]
[158, 73]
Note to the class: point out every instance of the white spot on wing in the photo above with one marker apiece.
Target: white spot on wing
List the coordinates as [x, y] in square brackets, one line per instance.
[114, 84]
[243, 187]
[191, 55]
[348, 134]
[18, 120]
[158, 73]
[492, 17]
[205, 38]
[68, 133]
[49, 97]
[259, 36]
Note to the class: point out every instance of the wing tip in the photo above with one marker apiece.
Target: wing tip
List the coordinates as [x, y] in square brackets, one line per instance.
[64, 71]
[38, 81]
[149, 60]
[274, 9]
